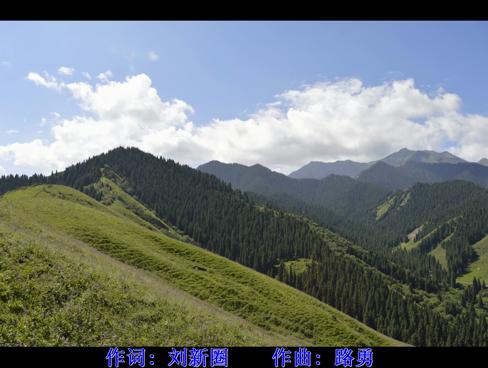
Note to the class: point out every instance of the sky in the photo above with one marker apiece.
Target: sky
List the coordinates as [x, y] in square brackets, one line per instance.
[276, 93]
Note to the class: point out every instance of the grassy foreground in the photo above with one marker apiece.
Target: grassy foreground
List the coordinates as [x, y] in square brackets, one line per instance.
[76, 272]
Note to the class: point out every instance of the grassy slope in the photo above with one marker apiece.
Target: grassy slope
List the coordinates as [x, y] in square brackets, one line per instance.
[478, 268]
[383, 208]
[439, 253]
[114, 197]
[58, 291]
[70, 217]
[411, 243]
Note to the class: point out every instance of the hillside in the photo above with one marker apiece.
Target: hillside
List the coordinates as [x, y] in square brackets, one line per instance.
[402, 177]
[386, 176]
[479, 268]
[94, 272]
[341, 194]
[380, 223]
[232, 224]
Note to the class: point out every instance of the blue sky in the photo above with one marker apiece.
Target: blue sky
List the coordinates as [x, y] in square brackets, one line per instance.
[229, 70]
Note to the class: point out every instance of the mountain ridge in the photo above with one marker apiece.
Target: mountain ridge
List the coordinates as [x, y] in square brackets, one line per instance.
[149, 253]
[318, 169]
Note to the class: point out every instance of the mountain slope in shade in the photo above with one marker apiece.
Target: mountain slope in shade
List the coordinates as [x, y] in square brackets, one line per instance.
[386, 176]
[340, 193]
[319, 170]
[83, 273]
[405, 176]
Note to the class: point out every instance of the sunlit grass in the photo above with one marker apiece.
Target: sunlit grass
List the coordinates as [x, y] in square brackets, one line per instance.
[90, 304]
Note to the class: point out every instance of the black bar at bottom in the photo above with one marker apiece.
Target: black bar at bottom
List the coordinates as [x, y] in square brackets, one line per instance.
[262, 357]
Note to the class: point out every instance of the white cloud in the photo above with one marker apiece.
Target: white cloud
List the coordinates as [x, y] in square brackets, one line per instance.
[152, 56]
[86, 75]
[11, 131]
[324, 121]
[48, 81]
[65, 70]
[2, 170]
[105, 76]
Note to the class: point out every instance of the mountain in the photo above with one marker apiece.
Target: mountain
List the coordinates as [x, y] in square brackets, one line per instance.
[188, 228]
[402, 177]
[319, 170]
[483, 161]
[256, 178]
[340, 193]
[405, 155]
[386, 176]
[364, 213]
[449, 217]
[90, 267]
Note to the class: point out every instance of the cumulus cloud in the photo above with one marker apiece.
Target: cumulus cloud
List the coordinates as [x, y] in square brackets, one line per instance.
[2, 170]
[47, 81]
[152, 56]
[325, 121]
[86, 75]
[105, 76]
[65, 70]
[11, 131]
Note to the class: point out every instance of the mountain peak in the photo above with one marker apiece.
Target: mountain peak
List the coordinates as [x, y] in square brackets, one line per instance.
[319, 170]
[405, 155]
[259, 166]
[483, 161]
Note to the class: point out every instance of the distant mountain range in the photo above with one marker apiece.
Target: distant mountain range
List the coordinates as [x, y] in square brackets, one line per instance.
[334, 191]
[404, 176]
[402, 169]
[319, 170]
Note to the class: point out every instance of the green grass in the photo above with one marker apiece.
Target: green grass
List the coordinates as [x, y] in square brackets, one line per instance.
[410, 245]
[298, 266]
[57, 292]
[439, 253]
[404, 199]
[383, 208]
[396, 201]
[478, 268]
[113, 196]
[75, 289]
